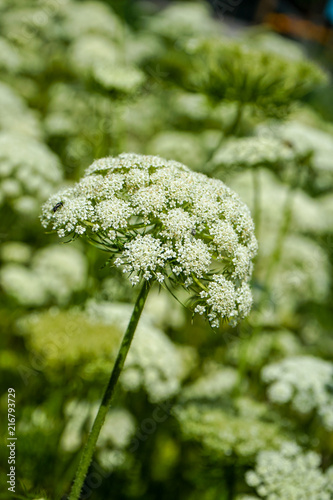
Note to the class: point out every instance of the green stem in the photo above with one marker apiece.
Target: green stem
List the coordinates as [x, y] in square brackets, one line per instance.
[256, 200]
[283, 231]
[215, 149]
[231, 130]
[89, 449]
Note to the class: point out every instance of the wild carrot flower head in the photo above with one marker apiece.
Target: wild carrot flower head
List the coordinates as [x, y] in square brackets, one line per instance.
[159, 220]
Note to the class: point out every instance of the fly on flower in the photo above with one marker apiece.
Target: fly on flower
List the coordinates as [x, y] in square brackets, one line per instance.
[58, 205]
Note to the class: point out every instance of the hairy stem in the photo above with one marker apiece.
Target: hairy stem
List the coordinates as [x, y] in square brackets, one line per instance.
[89, 449]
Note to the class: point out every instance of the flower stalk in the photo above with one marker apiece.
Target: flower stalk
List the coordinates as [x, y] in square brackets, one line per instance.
[89, 449]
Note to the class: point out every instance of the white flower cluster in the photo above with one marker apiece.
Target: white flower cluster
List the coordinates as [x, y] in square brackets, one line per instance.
[178, 145]
[90, 17]
[305, 382]
[306, 139]
[225, 433]
[9, 58]
[117, 431]
[275, 43]
[188, 19]
[161, 220]
[308, 215]
[290, 474]
[164, 312]
[76, 115]
[253, 151]
[115, 436]
[213, 385]
[191, 107]
[97, 57]
[29, 171]
[15, 115]
[54, 274]
[36, 421]
[262, 346]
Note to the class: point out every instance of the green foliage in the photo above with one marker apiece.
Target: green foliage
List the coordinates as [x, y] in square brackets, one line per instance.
[233, 72]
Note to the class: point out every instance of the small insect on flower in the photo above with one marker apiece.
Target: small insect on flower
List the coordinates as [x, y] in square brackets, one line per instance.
[193, 232]
[58, 205]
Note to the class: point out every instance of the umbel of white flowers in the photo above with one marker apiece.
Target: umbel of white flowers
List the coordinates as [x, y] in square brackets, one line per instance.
[161, 221]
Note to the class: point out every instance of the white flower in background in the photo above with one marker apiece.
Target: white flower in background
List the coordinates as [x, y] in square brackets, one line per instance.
[144, 116]
[76, 114]
[221, 430]
[246, 497]
[91, 50]
[178, 145]
[183, 19]
[117, 432]
[191, 106]
[127, 79]
[99, 58]
[91, 17]
[10, 59]
[326, 204]
[290, 474]
[307, 213]
[275, 43]
[164, 311]
[158, 219]
[90, 339]
[305, 382]
[15, 251]
[306, 139]
[116, 435]
[154, 362]
[303, 274]
[249, 152]
[21, 283]
[29, 171]
[37, 421]
[262, 346]
[141, 46]
[61, 270]
[215, 384]
[15, 116]
[54, 274]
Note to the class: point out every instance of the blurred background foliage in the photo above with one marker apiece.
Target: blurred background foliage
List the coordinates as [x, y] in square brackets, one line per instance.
[198, 415]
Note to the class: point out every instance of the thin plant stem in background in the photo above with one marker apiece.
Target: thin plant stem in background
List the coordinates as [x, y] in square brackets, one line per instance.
[233, 128]
[285, 225]
[229, 131]
[89, 448]
[282, 234]
[256, 200]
